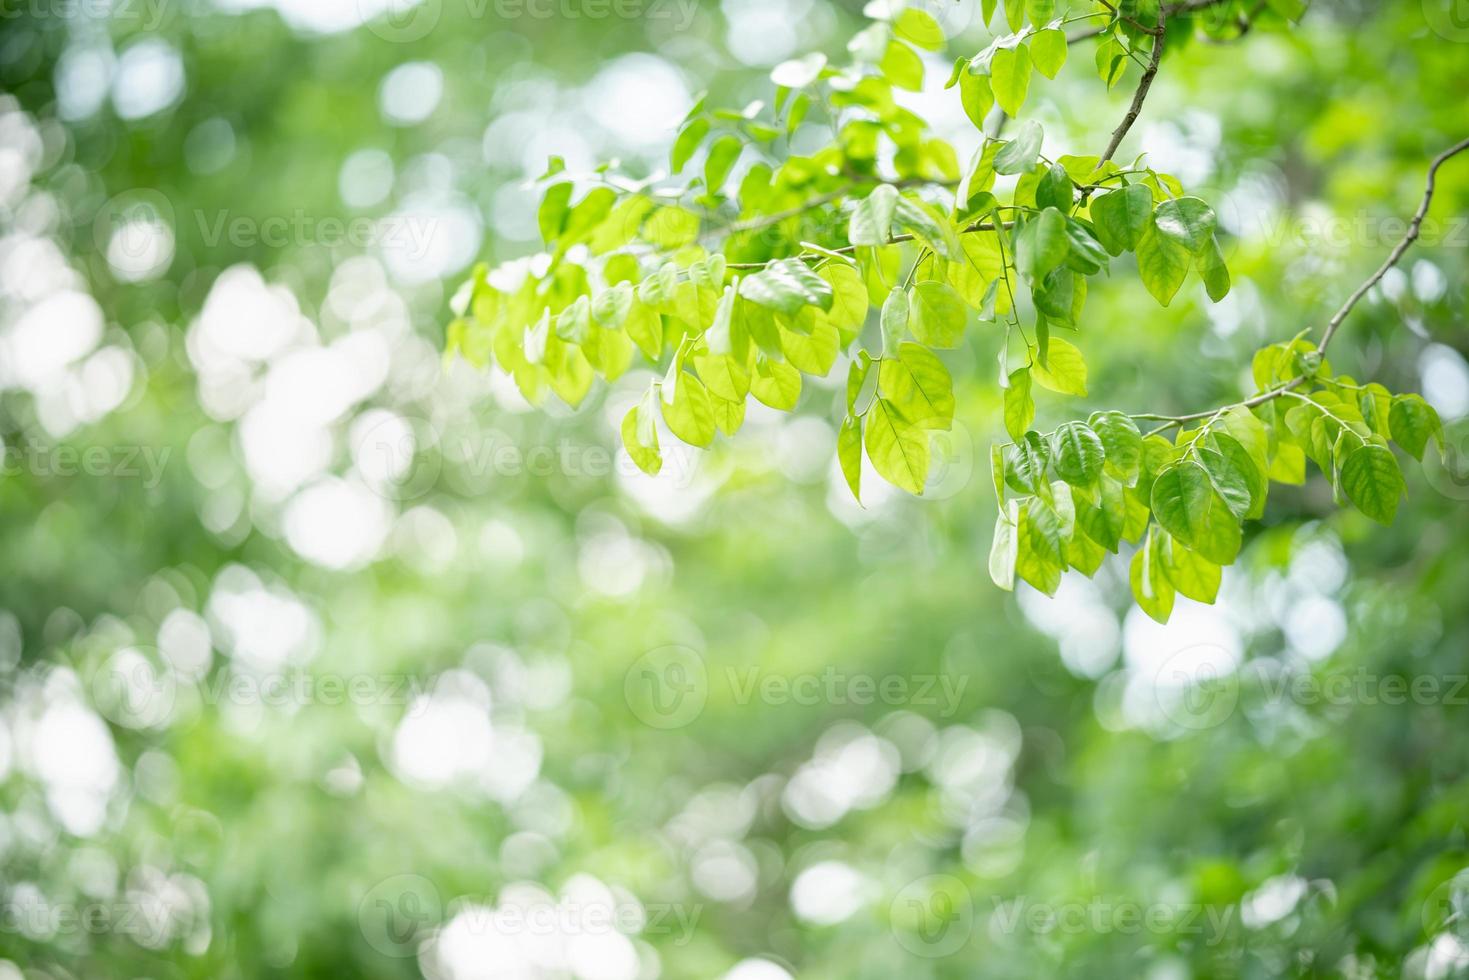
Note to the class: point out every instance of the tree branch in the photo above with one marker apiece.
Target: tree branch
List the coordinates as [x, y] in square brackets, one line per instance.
[1393, 257]
[1143, 85]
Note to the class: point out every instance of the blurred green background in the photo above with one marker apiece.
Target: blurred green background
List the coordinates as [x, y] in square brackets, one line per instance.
[322, 657]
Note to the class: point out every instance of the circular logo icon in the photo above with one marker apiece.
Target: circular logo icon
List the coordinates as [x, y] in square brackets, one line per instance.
[667, 687]
[396, 911]
[933, 916]
[1449, 473]
[396, 455]
[1447, 908]
[134, 690]
[1197, 687]
[400, 21]
[134, 232]
[951, 462]
[1449, 19]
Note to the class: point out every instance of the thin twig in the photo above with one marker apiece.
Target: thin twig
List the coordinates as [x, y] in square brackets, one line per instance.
[1409, 238]
[1393, 257]
[1145, 83]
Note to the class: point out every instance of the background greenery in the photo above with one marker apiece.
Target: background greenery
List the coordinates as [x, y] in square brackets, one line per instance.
[327, 501]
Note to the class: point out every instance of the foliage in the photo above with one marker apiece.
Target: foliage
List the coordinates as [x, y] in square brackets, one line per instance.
[741, 291]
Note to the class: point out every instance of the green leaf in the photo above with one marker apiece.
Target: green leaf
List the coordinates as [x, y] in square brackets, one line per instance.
[551, 216]
[776, 383]
[849, 297]
[898, 449]
[687, 142]
[1121, 216]
[1122, 442]
[640, 436]
[1019, 404]
[1151, 588]
[894, 320]
[1055, 189]
[645, 327]
[1010, 77]
[857, 373]
[1186, 504]
[1004, 550]
[1162, 263]
[1189, 572]
[1105, 519]
[1413, 422]
[1063, 370]
[1019, 155]
[849, 454]
[1041, 245]
[901, 65]
[1040, 546]
[1078, 453]
[936, 314]
[976, 97]
[1214, 271]
[872, 219]
[1230, 479]
[686, 407]
[786, 285]
[1186, 220]
[722, 156]
[1236, 467]
[1048, 51]
[1371, 479]
[919, 28]
[923, 221]
[728, 415]
[1028, 462]
[918, 384]
[813, 353]
[574, 323]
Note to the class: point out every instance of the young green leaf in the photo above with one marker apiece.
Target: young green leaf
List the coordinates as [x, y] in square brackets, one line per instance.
[1018, 156]
[1187, 506]
[1373, 482]
[1186, 220]
[1019, 404]
[1078, 453]
[1162, 263]
[872, 219]
[1120, 217]
[898, 448]
[936, 314]
[1151, 588]
[918, 384]
[786, 285]
[1010, 77]
[1413, 422]
[1063, 370]
[849, 454]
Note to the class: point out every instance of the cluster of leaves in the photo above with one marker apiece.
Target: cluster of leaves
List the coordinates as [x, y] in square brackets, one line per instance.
[880, 249]
[1081, 490]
